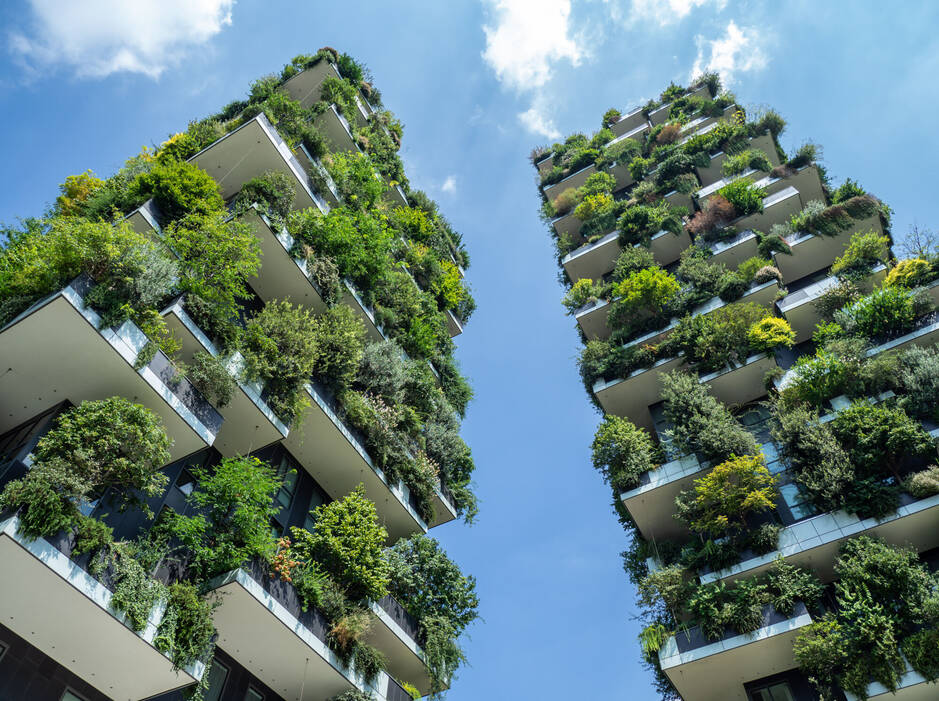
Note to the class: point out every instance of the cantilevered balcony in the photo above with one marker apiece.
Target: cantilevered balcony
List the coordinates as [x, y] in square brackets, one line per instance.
[739, 384]
[814, 542]
[594, 260]
[733, 251]
[396, 633]
[660, 114]
[633, 395]
[262, 625]
[337, 457]
[798, 307]
[571, 182]
[714, 170]
[315, 169]
[593, 318]
[913, 687]
[335, 128]
[702, 121]
[629, 122]
[454, 327]
[716, 671]
[925, 334]
[814, 252]
[806, 180]
[145, 219]
[50, 601]
[777, 209]
[251, 150]
[249, 422]
[283, 276]
[56, 350]
[307, 85]
[652, 503]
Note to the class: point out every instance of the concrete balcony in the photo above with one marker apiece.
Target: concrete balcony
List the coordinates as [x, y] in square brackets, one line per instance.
[631, 396]
[629, 122]
[593, 260]
[798, 307]
[396, 633]
[777, 209]
[812, 252]
[733, 251]
[454, 327]
[743, 383]
[652, 503]
[913, 687]
[56, 350]
[806, 180]
[315, 169]
[249, 422]
[571, 182]
[660, 114]
[925, 334]
[716, 671]
[251, 150]
[714, 170]
[145, 220]
[50, 601]
[335, 128]
[814, 542]
[262, 625]
[306, 86]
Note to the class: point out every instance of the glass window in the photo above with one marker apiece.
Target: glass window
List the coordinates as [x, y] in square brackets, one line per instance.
[186, 482]
[3, 649]
[289, 474]
[70, 695]
[218, 674]
[796, 501]
[316, 500]
[253, 695]
[773, 692]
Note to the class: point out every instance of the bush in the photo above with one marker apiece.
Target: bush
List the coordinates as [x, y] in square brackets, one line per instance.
[738, 163]
[909, 273]
[186, 632]
[831, 221]
[234, 505]
[273, 191]
[847, 190]
[918, 380]
[716, 213]
[863, 252]
[745, 197]
[640, 222]
[339, 344]
[622, 452]
[924, 483]
[632, 260]
[721, 501]
[347, 541]
[712, 341]
[179, 188]
[771, 333]
[922, 651]
[280, 350]
[699, 423]
[642, 294]
[211, 377]
[816, 378]
[885, 312]
[582, 292]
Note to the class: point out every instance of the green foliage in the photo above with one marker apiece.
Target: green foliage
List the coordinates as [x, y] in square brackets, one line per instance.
[197, 136]
[640, 222]
[745, 197]
[96, 445]
[846, 191]
[75, 191]
[712, 341]
[581, 293]
[700, 423]
[815, 378]
[280, 350]
[234, 505]
[909, 273]
[831, 221]
[621, 452]
[186, 632]
[923, 484]
[339, 343]
[918, 379]
[211, 377]
[731, 491]
[273, 191]
[864, 251]
[885, 312]
[179, 188]
[442, 653]
[739, 162]
[347, 541]
[632, 260]
[770, 333]
[135, 592]
[922, 651]
[644, 292]
[354, 177]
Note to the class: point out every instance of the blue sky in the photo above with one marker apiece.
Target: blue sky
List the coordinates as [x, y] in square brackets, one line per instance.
[477, 85]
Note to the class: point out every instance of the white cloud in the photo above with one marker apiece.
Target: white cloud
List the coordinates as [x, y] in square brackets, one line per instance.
[100, 37]
[536, 121]
[661, 12]
[740, 50]
[529, 36]
[449, 184]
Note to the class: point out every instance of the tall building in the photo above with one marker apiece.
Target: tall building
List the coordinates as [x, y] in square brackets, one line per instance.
[229, 415]
[767, 373]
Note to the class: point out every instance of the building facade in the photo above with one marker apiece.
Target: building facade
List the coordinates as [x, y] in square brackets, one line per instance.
[230, 415]
[765, 367]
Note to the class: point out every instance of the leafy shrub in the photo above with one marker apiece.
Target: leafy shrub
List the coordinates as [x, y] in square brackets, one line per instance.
[922, 651]
[347, 541]
[909, 273]
[847, 190]
[831, 221]
[640, 222]
[918, 379]
[924, 483]
[745, 197]
[273, 190]
[211, 377]
[632, 260]
[339, 343]
[700, 423]
[581, 293]
[716, 213]
[179, 188]
[567, 200]
[722, 500]
[816, 378]
[234, 505]
[770, 333]
[93, 446]
[74, 193]
[863, 252]
[738, 163]
[186, 632]
[885, 312]
[354, 177]
[712, 341]
[845, 292]
[280, 350]
[642, 294]
[621, 452]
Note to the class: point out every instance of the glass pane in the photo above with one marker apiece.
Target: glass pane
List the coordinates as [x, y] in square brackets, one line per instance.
[781, 692]
[69, 696]
[217, 676]
[253, 695]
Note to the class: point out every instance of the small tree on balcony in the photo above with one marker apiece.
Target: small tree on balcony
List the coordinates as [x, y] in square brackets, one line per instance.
[622, 452]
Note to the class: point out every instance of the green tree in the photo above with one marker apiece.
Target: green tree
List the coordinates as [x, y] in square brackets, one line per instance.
[622, 452]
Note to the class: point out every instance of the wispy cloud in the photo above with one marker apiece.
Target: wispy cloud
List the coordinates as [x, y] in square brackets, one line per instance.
[449, 185]
[525, 40]
[739, 50]
[99, 37]
[660, 12]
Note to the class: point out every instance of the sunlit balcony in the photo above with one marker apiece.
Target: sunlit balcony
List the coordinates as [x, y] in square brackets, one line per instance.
[56, 350]
[335, 128]
[652, 503]
[396, 633]
[306, 86]
[629, 122]
[660, 114]
[813, 252]
[631, 396]
[713, 171]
